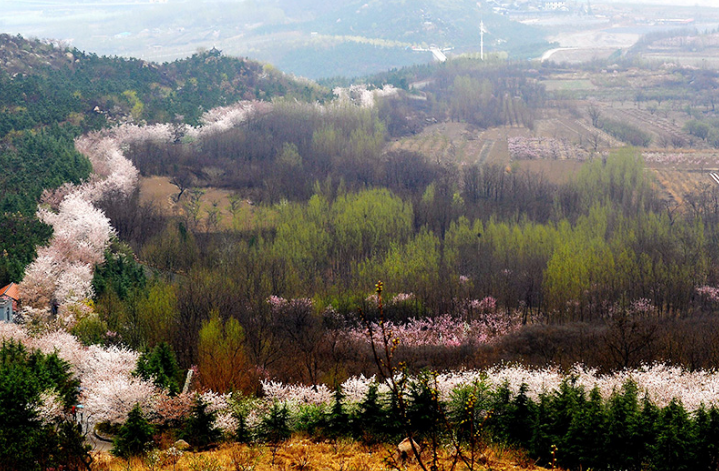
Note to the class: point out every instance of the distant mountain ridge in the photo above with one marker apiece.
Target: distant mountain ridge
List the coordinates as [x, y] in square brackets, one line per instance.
[311, 38]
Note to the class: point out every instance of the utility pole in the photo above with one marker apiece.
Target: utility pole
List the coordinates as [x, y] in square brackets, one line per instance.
[481, 39]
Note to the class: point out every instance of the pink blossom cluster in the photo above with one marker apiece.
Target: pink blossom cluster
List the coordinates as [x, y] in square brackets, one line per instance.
[709, 292]
[279, 304]
[50, 406]
[361, 96]
[483, 306]
[222, 405]
[534, 148]
[62, 272]
[443, 331]
[296, 393]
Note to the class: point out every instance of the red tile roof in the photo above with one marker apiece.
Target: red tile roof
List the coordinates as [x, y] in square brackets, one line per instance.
[11, 291]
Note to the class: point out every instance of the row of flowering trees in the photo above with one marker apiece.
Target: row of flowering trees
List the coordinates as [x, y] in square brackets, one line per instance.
[62, 273]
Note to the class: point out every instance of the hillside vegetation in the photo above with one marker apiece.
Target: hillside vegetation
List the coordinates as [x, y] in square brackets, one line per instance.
[50, 95]
[393, 263]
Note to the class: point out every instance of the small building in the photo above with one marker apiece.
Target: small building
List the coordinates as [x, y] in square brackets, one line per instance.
[555, 6]
[9, 298]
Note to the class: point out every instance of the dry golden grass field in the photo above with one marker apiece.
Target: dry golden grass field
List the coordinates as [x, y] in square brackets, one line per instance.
[305, 455]
[162, 193]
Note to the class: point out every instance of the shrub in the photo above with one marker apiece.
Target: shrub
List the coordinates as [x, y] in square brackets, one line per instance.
[312, 420]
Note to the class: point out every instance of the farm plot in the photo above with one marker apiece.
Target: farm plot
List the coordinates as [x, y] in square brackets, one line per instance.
[451, 142]
[663, 131]
[682, 172]
[677, 184]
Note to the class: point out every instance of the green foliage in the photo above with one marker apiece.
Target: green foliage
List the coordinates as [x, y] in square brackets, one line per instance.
[90, 330]
[676, 445]
[370, 422]
[160, 367]
[135, 436]
[312, 419]
[119, 273]
[200, 430]
[242, 431]
[338, 419]
[697, 128]
[157, 311]
[626, 132]
[221, 355]
[468, 409]
[274, 427]
[51, 101]
[31, 163]
[26, 442]
[425, 411]
[623, 432]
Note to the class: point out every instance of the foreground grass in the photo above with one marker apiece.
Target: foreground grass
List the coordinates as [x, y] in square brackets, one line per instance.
[303, 455]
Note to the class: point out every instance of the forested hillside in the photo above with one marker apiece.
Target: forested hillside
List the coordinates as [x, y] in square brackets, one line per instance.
[470, 257]
[51, 95]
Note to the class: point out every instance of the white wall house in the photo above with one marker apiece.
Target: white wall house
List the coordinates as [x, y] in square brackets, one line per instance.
[9, 297]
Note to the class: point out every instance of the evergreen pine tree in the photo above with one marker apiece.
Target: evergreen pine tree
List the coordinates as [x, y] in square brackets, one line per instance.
[275, 425]
[676, 441]
[707, 432]
[585, 439]
[370, 417]
[624, 443]
[200, 430]
[135, 435]
[242, 431]
[337, 419]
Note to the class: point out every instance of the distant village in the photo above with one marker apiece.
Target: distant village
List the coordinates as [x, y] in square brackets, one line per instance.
[535, 7]
[524, 9]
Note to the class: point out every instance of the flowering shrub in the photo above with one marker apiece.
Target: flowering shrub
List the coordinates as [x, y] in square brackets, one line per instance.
[660, 383]
[109, 390]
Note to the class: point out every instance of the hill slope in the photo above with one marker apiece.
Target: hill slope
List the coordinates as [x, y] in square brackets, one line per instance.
[50, 95]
